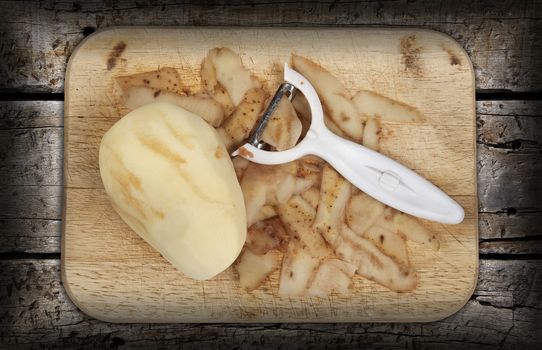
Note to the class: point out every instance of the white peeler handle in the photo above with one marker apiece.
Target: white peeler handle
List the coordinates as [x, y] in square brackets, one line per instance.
[385, 179]
[375, 174]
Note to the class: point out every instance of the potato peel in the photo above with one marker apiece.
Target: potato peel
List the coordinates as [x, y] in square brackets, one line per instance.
[373, 105]
[334, 194]
[303, 213]
[254, 268]
[336, 100]
[373, 264]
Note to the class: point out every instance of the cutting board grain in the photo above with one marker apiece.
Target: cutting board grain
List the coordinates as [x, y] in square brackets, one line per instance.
[112, 274]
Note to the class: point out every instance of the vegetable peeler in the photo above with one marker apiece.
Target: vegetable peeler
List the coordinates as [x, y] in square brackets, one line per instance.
[375, 174]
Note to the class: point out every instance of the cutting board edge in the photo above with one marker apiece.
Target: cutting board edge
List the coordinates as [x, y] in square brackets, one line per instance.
[96, 313]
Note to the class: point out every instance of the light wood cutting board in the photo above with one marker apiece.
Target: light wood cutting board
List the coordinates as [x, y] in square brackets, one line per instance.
[113, 275]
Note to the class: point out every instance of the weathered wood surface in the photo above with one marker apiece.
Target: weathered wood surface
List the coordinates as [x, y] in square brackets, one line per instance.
[37, 37]
[503, 313]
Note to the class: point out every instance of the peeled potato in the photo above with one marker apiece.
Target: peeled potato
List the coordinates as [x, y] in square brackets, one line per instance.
[171, 180]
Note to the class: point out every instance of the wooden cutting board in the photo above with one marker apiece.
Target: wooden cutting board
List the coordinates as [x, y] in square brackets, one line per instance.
[112, 274]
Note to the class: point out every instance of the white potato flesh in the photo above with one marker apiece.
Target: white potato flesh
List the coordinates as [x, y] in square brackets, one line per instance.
[170, 179]
[164, 79]
[362, 211]
[336, 100]
[373, 264]
[254, 268]
[371, 134]
[389, 242]
[372, 105]
[231, 74]
[334, 195]
[333, 275]
[204, 106]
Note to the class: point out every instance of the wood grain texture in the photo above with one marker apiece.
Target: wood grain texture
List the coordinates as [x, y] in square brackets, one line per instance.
[522, 174]
[137, 284]
[502, 313]
[501, 37]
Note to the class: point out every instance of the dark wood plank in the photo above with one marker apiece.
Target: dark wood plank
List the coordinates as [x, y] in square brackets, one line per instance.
[31, 202]
[31, 156]
[509, 180]
[510, 283]
[30, 235]
[505, 128]
[503, 312]
[510, 125]
[31, 114]
[501, 37]
[510, 225]
[509, 247]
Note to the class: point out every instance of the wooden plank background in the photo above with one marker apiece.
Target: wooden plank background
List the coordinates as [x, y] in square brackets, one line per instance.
[503, 41]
